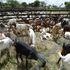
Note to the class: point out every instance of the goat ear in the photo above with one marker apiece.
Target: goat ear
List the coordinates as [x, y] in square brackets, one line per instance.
[63, 44]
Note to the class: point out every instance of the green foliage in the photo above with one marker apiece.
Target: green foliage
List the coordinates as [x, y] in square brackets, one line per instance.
[13, 3]
[31, 4]
[67, 5]
[16, 4]
[24, 4]
[43, 4]
[36, 3]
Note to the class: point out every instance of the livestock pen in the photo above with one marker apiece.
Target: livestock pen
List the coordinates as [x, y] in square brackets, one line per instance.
[49, 48]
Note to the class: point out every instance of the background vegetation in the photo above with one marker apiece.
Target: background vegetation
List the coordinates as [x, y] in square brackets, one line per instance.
[36, 3]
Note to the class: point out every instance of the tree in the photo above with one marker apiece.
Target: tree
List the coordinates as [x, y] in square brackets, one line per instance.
[37, 3]
[42, 4]
[13, 3]
[24, 4]
[31, 4]
[1, 3]
[67, 5]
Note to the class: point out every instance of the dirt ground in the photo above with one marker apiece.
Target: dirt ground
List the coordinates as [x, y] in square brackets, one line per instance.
[47, 47]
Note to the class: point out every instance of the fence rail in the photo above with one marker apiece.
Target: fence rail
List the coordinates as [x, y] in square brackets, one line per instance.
[31, 12]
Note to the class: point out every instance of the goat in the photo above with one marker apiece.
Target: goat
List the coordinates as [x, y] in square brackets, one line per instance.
[65, 58]
[23, 27]
[66, 28]
[45, 35]
[24, 49]
[2, 25]
[28, 31]
[65, 51]
[55, 29]
[13, 22]
[32, 36]
[5, 43]
[67, 35]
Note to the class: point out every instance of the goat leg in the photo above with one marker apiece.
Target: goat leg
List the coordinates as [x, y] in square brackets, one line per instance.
[17, 58]
[26, 63]
[58, 61]
[21, 57]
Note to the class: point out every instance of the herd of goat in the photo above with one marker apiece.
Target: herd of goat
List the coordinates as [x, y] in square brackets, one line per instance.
[13, 28]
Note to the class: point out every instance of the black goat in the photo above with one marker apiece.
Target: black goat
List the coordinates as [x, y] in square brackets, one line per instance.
[24, 49]
[2, 25]
[65, 50]
[66, 28]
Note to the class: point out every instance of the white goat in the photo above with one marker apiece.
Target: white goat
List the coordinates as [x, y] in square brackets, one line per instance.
[43, 30]
[67, 35]
[65, 58]
[30, 31]
[19, 26]
[32, 36]
[23, 26]
[5, 43]
[58, 24]
[45, 35]
[11, 21]
[26, 27]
